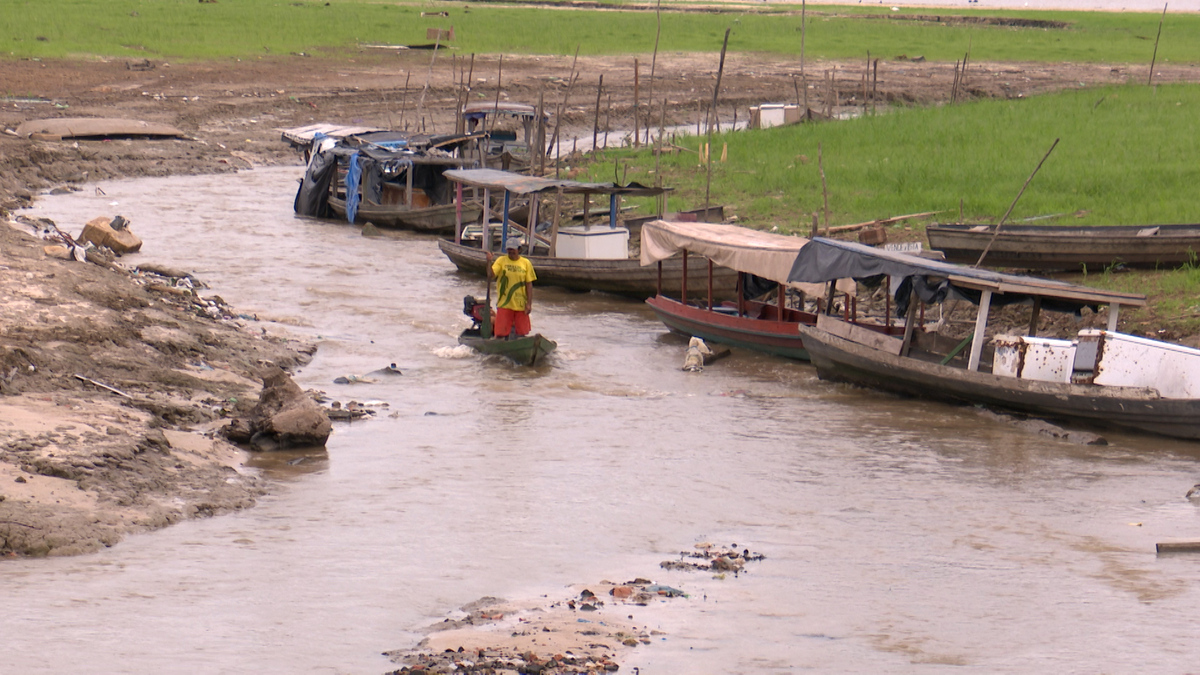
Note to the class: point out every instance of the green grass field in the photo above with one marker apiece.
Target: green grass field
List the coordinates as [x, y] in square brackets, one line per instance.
[187, 29]
[1126, 155]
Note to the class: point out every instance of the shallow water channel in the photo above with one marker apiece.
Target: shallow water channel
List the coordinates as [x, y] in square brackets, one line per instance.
[900, 536]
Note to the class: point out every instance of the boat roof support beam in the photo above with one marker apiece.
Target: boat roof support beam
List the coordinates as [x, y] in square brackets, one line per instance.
[1034, 316]
[981, 320]
[1113, 310]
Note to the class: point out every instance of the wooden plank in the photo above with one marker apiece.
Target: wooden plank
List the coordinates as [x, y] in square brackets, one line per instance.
[1178, 547]
[860, 335]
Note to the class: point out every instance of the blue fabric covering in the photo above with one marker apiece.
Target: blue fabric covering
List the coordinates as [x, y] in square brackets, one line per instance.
[353, 172]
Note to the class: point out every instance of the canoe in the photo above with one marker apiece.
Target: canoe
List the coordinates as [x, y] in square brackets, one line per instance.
[753, 330]
[1099, 377]
[524, 351]
[438, 219]
[622, 276]
[1052, 247]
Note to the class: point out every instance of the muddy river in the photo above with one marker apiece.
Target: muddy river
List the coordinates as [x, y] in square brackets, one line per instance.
[901, 536]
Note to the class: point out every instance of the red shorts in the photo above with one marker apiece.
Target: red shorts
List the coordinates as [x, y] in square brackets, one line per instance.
[507, 318]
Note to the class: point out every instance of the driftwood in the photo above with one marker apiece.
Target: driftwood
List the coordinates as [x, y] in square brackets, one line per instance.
[102, 386]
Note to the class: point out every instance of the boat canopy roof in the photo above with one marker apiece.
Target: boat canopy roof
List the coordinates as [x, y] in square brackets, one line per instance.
[762, 254]
[824, 259]
[303, 136]
[479, 109]
[495, 179]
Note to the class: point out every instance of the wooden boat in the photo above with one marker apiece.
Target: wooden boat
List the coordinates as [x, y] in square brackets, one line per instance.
[763, 261]
[1100, 377]
[619, 276]
[389, 179]
[438, 219]
[581, 258]
[525, 351]
[1053, 247]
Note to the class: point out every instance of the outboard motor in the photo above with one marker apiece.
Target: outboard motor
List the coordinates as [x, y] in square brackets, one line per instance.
[474, 309]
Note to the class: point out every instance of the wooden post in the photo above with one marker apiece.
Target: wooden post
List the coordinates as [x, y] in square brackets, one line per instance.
[504, 224]
[1113, 309]
[741, 300]
[781, 301]
[541, 131]
[408, 185]
[658, 288]
[535, 203]
[981, 319]
[816, 229]
[1154, 57]
[824, 188]
[710, 284]
[596, 124]
[636, 134]
[457, 213]
[909, 323]
[716, 93]
[653, 63]
[1033, 317]
[683, 279]
[554, 223]
[487, 217]
[803, 31]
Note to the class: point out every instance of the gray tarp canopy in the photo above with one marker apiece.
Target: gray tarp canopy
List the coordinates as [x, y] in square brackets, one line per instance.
[824, 259]
[762, 254]
[495, 179]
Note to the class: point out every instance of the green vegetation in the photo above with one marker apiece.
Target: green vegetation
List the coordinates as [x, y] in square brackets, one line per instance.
[187, 29]
[1126, 155]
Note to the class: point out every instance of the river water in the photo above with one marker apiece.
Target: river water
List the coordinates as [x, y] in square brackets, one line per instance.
[900, 536]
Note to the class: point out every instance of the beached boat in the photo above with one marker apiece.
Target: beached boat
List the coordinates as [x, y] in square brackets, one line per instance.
[586, 257]
[509, 136]
[529, 350]
[1100, 377]
[389, 179]
[763, 261]
[1054, 247]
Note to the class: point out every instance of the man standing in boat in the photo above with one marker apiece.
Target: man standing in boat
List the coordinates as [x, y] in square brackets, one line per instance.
[514, 290]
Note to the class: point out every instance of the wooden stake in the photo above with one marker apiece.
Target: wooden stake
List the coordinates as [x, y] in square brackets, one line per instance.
[636, 134]
[1014, 203]
[716, 92]
[1150, 79]
[654, 62]
[596, 124]
[824, 188]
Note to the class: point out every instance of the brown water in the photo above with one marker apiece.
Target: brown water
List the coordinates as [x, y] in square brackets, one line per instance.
[901, 536]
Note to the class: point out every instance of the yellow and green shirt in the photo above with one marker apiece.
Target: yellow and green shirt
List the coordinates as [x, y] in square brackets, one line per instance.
[511, 276]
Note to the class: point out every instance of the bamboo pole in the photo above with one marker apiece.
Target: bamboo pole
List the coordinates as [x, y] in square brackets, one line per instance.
[824, 188]
[1154, 57]
[1014, 203]
[596, 122]
[654, 61]
[716, 93]
[636, 133]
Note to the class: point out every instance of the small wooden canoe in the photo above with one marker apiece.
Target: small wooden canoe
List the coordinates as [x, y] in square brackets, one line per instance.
[1065, 247]
[524, 351]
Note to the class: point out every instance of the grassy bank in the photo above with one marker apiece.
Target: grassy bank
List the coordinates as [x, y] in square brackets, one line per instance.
[1126, 155]
[187, 29]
